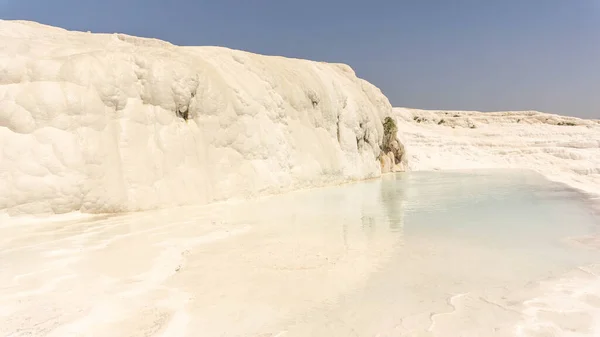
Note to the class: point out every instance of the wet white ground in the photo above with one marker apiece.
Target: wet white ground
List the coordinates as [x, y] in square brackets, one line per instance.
[424, 254]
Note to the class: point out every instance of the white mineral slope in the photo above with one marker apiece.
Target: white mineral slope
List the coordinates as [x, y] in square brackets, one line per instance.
[564, 149]
[95, 123]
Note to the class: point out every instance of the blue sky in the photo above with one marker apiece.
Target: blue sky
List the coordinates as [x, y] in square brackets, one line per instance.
[464, 54]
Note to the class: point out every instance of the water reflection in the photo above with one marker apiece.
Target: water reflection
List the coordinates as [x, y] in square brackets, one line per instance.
[393, 197]
[322, 261]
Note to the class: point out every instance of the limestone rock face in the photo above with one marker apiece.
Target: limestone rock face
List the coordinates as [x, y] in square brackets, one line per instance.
[562, 148]
[400, 167]
[386, 163]
[397, 150]
[109, 123]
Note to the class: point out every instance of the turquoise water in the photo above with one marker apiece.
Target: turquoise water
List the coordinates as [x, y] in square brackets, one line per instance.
[472, 248]
[511, 211]
[411, 254]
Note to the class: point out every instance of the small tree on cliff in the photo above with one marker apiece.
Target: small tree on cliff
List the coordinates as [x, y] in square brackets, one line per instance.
[389, 134]
[390, 140]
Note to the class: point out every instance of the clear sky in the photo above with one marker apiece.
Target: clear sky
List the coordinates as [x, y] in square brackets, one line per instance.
[464, 54]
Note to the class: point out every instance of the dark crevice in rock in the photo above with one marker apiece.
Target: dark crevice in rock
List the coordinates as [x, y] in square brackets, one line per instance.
[363, 137]
[338, 128]
[314, 99]
[183, 114]
[184, 111]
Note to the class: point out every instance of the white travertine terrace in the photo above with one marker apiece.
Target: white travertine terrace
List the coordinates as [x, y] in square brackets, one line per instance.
[564, 149]
[109, 122]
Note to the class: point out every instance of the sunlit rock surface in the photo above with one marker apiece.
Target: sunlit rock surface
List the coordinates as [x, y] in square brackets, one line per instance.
[564, 149]
[109, 122]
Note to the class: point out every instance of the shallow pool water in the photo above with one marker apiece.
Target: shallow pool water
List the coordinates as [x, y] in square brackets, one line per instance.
[482, 253]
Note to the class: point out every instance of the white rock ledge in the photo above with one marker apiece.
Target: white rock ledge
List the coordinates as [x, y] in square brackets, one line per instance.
[564, 149]
[109, 122]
